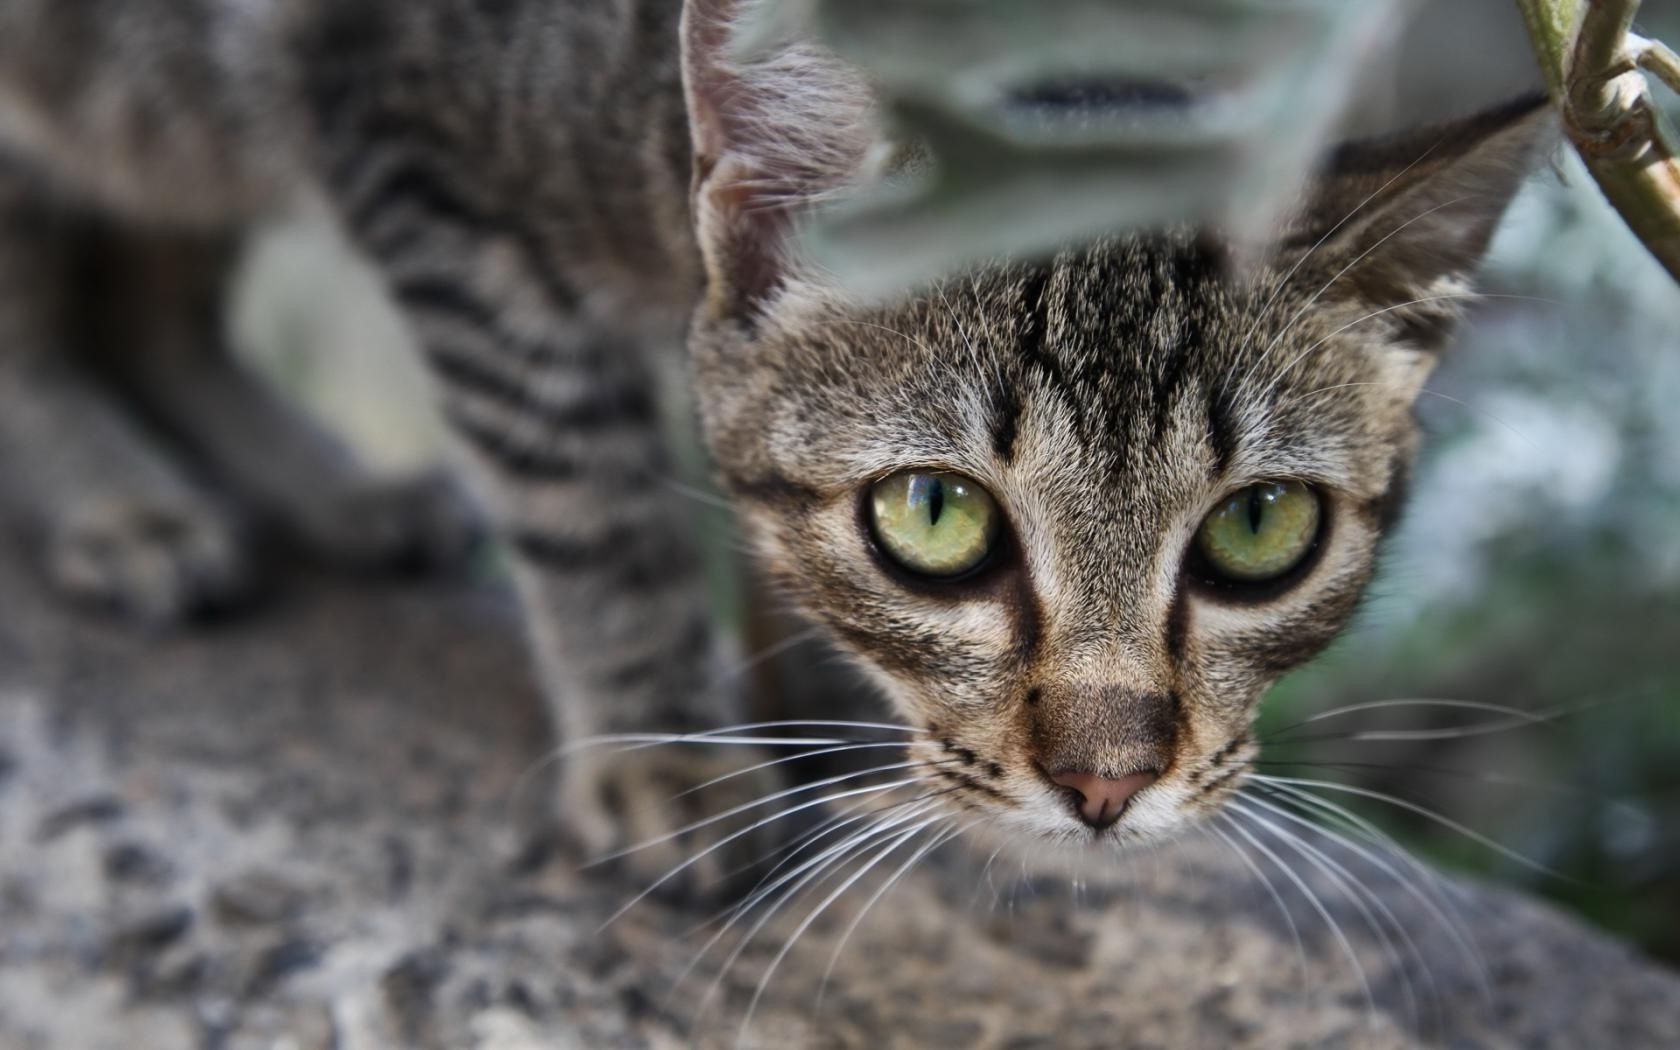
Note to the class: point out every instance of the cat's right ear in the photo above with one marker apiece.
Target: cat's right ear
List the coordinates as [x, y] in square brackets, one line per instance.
[773, 134]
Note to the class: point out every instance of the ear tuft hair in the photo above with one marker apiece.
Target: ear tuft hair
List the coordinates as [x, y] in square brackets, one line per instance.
[775, 133]
[1403, 218]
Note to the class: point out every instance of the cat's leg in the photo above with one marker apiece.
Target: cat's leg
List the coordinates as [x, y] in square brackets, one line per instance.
[116, 522]
[165, 293]
[557, 419]
[565, 446]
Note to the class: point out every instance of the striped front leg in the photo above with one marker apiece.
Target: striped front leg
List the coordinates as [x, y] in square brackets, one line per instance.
[558, 423]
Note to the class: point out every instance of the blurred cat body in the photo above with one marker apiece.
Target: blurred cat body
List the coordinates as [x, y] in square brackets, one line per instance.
[553, 192]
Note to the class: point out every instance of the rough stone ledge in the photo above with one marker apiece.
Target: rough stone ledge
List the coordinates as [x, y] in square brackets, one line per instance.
[296, 832]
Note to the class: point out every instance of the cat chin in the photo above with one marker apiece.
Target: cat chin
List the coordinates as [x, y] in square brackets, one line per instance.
[1044, 845]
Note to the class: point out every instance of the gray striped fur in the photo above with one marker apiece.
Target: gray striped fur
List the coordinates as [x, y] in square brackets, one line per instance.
[521, 173]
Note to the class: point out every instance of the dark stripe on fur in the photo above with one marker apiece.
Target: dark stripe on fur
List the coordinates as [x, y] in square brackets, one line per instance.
[772, 489]
[538, 464]
[623, 404]
[441, 295]
[613, 557]
[1034, 340]
[410, 184]
[687, 652]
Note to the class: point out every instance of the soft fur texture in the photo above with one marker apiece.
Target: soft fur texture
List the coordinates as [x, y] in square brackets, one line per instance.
[548, 204]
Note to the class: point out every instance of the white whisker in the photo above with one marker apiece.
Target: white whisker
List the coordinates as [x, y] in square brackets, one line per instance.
[769, 763]
[1288, 276]
[1277, 898]
[1440, 903]
[811, 870]
[1317, 906]
[845, 818]
[1513, 713]
[1423, 811]
[811, 917]
[1429, 904]
[719, 844]
[732, 811]
[809, 874]
[1358, 894]
[1446, 296]
[701, 496]
[881, 891]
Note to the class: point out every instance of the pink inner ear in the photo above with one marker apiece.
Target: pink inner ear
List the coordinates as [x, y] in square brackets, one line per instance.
[743, 234]
[772, 134]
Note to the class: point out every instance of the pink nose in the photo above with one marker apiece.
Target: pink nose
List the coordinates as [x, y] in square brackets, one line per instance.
[1101, 800]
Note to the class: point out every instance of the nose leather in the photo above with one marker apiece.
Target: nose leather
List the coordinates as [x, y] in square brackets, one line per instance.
[1101, 800]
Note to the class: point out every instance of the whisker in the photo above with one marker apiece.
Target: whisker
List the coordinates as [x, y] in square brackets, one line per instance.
[986, 875]
[794, 880]
[1439, 904]
[1423, 811]
[881, 891]
[1514, 714]
[814, 872]
[846, 817]
[1317, 906]
[921, 344]
[732, 811]
[811, 917]
[702, 496]
[735, 734]
[768, 763]
[1478, 776]
[1358, 894]
[1427, 902]
[1474, 410]
[1277, 898]
[1514, 719]
[722, 735]
[731, 837]
[1314, 347]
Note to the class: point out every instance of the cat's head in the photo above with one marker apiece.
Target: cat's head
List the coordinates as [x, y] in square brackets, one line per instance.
[1075, 516]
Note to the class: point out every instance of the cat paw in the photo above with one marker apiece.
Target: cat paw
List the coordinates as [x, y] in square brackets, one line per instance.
[156, 559]
[649, 816]
[421, 522]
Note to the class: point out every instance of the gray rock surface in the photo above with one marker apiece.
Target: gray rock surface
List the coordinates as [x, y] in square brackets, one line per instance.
[302, 831]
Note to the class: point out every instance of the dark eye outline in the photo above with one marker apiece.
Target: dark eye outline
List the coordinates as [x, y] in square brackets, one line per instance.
[1000, 554]
[1211, 581]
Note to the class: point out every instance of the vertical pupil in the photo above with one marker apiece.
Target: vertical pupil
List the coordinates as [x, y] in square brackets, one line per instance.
[936, 500]
[929, 492]
[1256, 509]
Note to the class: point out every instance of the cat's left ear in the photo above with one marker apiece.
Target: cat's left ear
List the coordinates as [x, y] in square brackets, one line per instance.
[773, 132]
[1409, 218]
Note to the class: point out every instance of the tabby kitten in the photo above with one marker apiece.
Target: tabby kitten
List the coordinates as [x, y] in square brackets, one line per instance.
[1073, 515]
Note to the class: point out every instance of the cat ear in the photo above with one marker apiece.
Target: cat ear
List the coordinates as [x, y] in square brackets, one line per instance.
[1410, 217]
[774, 132]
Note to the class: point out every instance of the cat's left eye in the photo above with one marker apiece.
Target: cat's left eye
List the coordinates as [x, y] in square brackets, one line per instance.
[934, 524]
[1260, 534]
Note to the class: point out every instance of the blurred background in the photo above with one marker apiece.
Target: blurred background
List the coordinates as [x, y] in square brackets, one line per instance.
[1538, 566]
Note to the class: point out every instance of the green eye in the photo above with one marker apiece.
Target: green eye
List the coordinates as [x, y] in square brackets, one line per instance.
[1260, 533]
[939, 525]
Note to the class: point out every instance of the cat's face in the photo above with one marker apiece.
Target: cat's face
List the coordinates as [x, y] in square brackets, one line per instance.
[1092, 610]
[1075, 517]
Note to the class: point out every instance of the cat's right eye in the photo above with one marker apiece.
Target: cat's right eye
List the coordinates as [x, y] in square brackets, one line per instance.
[934, 524]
